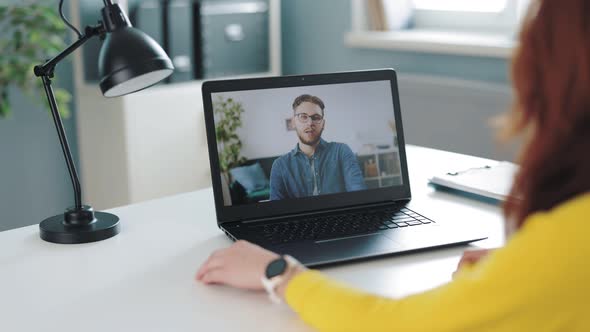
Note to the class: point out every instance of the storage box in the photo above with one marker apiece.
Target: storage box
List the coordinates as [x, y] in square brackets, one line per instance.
[234, 38]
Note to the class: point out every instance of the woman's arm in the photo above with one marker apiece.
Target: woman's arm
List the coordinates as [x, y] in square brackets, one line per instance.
[526, 286]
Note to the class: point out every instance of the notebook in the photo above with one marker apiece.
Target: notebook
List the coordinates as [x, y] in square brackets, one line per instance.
[491, 180]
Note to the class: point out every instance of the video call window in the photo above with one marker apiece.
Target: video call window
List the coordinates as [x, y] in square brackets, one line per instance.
[288, 143]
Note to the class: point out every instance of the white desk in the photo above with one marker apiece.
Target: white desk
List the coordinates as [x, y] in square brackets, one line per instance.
[142, 279]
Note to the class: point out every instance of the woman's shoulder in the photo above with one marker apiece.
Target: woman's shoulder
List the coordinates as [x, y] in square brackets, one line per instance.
[559, 231]
[574, 210]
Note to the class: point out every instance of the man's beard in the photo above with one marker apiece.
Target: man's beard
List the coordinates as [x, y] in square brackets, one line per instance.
[310, 142]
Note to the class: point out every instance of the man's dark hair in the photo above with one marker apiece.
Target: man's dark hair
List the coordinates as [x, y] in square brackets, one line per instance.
[309, 99]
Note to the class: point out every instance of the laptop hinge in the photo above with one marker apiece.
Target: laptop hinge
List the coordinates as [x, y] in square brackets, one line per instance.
[325, 212]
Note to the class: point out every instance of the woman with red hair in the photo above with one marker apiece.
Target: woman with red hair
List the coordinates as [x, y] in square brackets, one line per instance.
[540, 280]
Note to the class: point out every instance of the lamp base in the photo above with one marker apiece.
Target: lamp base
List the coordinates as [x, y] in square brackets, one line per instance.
[56, 230]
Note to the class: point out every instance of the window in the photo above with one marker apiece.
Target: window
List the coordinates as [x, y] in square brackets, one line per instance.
[489, 16]
[487, 6]
[463, 27]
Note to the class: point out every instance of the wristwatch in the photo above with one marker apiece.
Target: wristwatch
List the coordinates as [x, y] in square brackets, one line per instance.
[275, 273]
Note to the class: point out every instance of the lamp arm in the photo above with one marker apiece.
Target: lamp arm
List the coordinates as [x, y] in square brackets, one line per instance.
[45, 71]
[48, 67]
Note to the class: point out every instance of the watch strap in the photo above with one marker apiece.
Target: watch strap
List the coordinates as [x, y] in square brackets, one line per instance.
[271, 285]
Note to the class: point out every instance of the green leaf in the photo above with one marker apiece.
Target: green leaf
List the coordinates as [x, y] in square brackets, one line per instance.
[63, 98]
[4, 105]
[32, 33]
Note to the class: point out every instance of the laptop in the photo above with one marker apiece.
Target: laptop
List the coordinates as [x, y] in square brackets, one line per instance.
[314, 166]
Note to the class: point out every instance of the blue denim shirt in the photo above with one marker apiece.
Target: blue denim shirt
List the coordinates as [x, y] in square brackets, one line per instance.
[336, 170]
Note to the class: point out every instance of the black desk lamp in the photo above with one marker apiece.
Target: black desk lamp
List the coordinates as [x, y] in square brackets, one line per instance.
[129, 61]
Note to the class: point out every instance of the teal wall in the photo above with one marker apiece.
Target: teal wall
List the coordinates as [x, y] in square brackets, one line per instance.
[34, 183]
[313, 41]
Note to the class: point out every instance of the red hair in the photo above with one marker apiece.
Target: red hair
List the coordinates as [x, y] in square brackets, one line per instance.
[551, 77]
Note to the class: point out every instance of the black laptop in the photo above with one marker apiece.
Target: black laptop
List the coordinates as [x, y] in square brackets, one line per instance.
[315, 166]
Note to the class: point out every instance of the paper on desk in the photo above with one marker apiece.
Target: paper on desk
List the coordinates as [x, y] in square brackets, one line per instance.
[492, 180]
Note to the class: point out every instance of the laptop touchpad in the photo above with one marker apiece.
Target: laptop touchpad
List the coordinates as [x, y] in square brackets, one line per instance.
[340, 249]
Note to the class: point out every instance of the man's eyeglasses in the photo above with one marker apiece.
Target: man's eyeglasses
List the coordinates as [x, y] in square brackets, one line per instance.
[304, 117]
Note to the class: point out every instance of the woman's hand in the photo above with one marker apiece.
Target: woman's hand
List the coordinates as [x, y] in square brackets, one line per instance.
[471, 257]
[241, 266]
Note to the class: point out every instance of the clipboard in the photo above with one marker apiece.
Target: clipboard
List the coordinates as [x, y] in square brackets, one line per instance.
[490, 181]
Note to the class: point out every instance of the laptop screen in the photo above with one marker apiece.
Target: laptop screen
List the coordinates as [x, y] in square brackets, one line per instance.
[296, 143]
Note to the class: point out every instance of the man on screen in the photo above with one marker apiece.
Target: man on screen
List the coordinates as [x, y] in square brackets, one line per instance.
[314, 167]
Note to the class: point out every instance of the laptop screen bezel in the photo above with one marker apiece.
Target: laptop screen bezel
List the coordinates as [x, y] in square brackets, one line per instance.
[246, 212]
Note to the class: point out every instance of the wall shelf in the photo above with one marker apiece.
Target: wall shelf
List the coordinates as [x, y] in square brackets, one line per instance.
[380, 168]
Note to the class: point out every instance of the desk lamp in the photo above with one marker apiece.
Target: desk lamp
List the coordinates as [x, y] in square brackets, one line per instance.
[129, 61]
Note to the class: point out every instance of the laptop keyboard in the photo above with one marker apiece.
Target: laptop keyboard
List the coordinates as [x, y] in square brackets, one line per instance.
[334, 226]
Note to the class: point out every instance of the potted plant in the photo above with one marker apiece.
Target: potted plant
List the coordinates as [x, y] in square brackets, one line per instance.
[30, 33]
[228, 118]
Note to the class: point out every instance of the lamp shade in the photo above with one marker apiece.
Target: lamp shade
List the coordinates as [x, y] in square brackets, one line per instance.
[129, 61]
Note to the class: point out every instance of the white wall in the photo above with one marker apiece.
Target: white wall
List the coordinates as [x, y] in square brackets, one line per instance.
[356, 113]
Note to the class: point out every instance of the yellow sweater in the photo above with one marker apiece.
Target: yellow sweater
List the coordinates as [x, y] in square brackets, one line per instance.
[540, 281]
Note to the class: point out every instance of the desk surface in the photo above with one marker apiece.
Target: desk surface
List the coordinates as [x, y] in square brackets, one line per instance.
[142, 279]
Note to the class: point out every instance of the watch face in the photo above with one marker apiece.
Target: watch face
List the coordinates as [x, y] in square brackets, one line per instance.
[276, 267]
